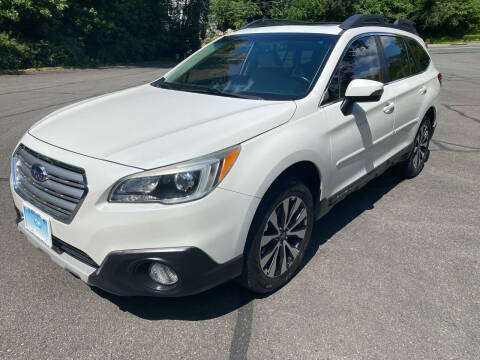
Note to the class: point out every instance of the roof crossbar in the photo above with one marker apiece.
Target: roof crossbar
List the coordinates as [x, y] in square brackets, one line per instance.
[360, 20]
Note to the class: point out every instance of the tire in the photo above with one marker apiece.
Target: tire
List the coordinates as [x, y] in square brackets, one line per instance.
[273, 256]
[420, 153]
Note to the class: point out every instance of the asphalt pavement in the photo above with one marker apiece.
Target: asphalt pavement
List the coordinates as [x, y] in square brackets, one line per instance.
[392, 273]
[454, 48]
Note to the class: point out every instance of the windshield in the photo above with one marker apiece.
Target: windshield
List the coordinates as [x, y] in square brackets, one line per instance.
[265, 66]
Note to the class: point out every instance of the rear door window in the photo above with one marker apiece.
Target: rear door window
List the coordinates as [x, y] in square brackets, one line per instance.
[423, 60]
[399, 64]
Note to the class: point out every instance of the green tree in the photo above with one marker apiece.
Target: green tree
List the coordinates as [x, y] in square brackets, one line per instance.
[447, 17]
[391, 8]
[26, 31]
[119, 31]
[189, 21]
[32, 19]
[311, 10]
[72, 32]
[233, 13]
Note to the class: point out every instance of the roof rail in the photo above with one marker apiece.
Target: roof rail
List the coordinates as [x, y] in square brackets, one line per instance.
[360, 20]
[279, 22]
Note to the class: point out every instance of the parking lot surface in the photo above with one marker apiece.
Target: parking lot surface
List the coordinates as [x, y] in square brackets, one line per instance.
[392, 273]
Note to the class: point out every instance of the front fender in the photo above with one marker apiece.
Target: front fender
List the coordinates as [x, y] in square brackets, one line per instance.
[263, 158]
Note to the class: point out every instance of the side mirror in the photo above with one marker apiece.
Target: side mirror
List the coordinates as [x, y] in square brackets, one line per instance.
[361, 90]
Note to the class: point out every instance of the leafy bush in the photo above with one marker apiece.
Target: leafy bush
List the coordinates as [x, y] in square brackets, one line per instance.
[81, 32]
[12, 52]
[20, 55]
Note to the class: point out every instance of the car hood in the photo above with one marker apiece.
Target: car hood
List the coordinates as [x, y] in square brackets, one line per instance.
[149, 127]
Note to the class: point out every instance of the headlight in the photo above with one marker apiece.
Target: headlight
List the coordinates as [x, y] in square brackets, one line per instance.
[178, 183]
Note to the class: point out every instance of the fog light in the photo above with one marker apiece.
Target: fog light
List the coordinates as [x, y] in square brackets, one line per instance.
[162, 274]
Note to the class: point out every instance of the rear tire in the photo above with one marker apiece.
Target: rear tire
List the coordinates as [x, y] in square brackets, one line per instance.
[279, 234]
[420, 152]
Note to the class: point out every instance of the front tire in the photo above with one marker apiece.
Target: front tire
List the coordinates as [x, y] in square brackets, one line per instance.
[279, 234]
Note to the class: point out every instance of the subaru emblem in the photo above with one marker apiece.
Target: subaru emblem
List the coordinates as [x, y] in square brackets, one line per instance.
[39, 172]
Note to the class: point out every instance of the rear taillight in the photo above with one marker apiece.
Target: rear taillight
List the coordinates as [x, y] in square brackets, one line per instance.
[440, 78]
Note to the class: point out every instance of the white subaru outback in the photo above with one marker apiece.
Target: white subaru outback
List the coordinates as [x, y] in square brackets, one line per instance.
[219, 169]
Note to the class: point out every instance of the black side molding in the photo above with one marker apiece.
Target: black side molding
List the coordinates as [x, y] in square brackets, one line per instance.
[324, 206]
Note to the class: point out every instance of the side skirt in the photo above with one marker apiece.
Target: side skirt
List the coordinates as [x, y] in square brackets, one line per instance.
[325, 205]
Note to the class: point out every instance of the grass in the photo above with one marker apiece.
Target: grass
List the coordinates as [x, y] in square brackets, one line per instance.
[444, 40]
[472, 37]
[452, 39]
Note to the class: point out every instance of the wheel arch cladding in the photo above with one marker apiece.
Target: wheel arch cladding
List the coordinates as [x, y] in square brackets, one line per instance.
[305, 171]
[431, 113]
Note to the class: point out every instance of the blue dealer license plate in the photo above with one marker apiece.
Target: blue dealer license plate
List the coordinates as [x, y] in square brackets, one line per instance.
[38, 225]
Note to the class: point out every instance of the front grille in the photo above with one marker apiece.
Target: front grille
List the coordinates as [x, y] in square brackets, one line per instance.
[61, 191]
[60, 247]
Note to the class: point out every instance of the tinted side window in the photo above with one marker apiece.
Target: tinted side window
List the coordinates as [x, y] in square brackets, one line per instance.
[411, 60]
[396, 57]
[420, 54]
[361, 61]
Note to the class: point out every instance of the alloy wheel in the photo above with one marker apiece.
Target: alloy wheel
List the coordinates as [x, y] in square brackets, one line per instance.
[420, 149]
[283, 235]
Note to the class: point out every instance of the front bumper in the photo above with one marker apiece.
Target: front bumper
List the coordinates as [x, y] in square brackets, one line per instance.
[64, 260]
[109, 234]
[217, 224]
[125, 273]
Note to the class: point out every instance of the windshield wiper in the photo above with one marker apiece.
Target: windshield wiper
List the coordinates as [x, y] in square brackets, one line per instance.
[243, 96]
[202, 90]
[215, 91]
[161, 84]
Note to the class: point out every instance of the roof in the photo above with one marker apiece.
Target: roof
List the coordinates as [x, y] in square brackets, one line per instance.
[333, 29]
[354, 21]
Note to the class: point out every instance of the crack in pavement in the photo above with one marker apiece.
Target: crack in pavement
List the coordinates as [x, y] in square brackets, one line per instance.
[461, 113]
[62, 103]
[243, 329]
[459, 145]
[2, 117]
[442, 147]
[59, 92]
[468, 105]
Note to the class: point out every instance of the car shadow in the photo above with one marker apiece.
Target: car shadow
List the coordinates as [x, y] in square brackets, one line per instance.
[348, 209]
[210, 304]
[229, 297]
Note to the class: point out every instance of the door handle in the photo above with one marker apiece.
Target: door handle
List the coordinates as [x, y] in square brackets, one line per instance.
[389, 108]
[423, 90]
